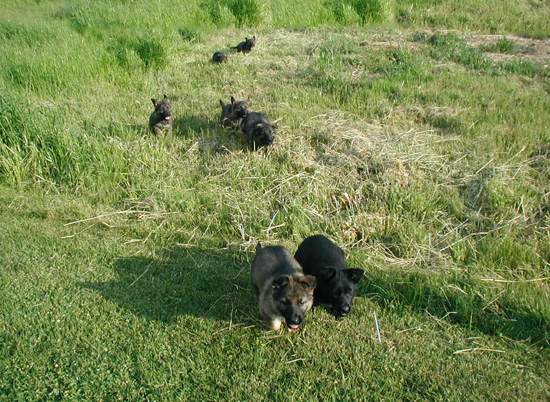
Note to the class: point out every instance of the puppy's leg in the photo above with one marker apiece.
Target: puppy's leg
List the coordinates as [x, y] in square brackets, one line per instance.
[273, 323]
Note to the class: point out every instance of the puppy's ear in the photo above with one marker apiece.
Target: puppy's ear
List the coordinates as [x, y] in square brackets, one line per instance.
[154, 101]
[258, 247]
[328, 274]
[308, 282]
[233, 101]
[221, 103]
[280, 282]
[354, 274]
[275, 126]
[254, 37]
[165, 97]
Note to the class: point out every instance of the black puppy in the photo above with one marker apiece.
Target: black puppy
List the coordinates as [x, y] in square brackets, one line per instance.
[160, 121]
[336, 284]
[258, 129]
[234, 112]
[246, 46]
[219, 57]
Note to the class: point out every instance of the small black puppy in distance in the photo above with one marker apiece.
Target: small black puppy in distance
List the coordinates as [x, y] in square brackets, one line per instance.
[160, 121]
[336, 284]
[283, 292]
[234, 112]
[219, 57]
[259, 131]
[246, 46]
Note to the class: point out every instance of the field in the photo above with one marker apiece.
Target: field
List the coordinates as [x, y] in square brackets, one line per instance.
[414, 134]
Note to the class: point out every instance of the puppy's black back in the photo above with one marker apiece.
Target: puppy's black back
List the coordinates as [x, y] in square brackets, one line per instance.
[318, 251]
[336, 284]
[219, 57]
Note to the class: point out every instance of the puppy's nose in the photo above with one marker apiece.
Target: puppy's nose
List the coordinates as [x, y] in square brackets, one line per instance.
[346, 309]
[295, 321]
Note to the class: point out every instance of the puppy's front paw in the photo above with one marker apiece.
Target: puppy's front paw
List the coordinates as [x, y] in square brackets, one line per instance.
[275, 324]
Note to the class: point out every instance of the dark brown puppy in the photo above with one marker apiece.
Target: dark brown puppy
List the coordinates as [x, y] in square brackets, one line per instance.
[336, 284]
[259, 131]
[234, 112]
[283, 292]
[160, 121]
[246, 46]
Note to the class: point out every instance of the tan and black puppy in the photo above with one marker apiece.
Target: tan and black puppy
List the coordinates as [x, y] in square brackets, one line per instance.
[234, 112]
[283, 292]
[160, 121]
[336, 284]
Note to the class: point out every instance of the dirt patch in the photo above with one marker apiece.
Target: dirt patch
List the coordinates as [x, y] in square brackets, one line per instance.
[534, 50]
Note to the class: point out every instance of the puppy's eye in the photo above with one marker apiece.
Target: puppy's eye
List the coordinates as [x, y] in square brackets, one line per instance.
[302, 302]
[285, 302]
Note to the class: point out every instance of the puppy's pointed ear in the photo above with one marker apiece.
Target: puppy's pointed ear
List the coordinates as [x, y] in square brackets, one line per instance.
[221, 103]
[327, 274]
[165, 97]
[280, 282]
[308, 282]
[233, 101]
[354, 274]
[154, 101]
[275, 126]
[258, 247]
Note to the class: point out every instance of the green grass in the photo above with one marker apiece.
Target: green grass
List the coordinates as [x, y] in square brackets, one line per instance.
[125, 266]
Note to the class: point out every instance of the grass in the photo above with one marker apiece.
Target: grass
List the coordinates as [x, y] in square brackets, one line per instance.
[124, 271]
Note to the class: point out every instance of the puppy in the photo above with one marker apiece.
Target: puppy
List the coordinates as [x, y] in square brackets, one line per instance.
[160, 121]
[234, 112]
[258, 130]
[283, 292]
[246, 46]
[219, 57]
[336, 284]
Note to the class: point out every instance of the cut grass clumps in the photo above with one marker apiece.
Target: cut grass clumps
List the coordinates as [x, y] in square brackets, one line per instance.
[453, 48]
[503, 45]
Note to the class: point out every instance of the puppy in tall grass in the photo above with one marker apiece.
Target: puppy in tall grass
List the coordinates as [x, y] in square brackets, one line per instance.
[336, 284]
[160, 121]
[283, 292]
[259, 131]
[234, 112]
[246, 46]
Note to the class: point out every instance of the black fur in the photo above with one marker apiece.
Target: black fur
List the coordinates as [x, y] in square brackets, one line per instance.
[258, 130]
[336, 284]
[246, 46]
[219, 57]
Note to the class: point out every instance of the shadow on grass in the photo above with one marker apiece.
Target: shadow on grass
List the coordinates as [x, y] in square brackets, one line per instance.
[467, 303]
[193, 282]
[211, 136]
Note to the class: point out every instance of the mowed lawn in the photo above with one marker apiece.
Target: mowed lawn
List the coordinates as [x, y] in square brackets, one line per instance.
[414, 134]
